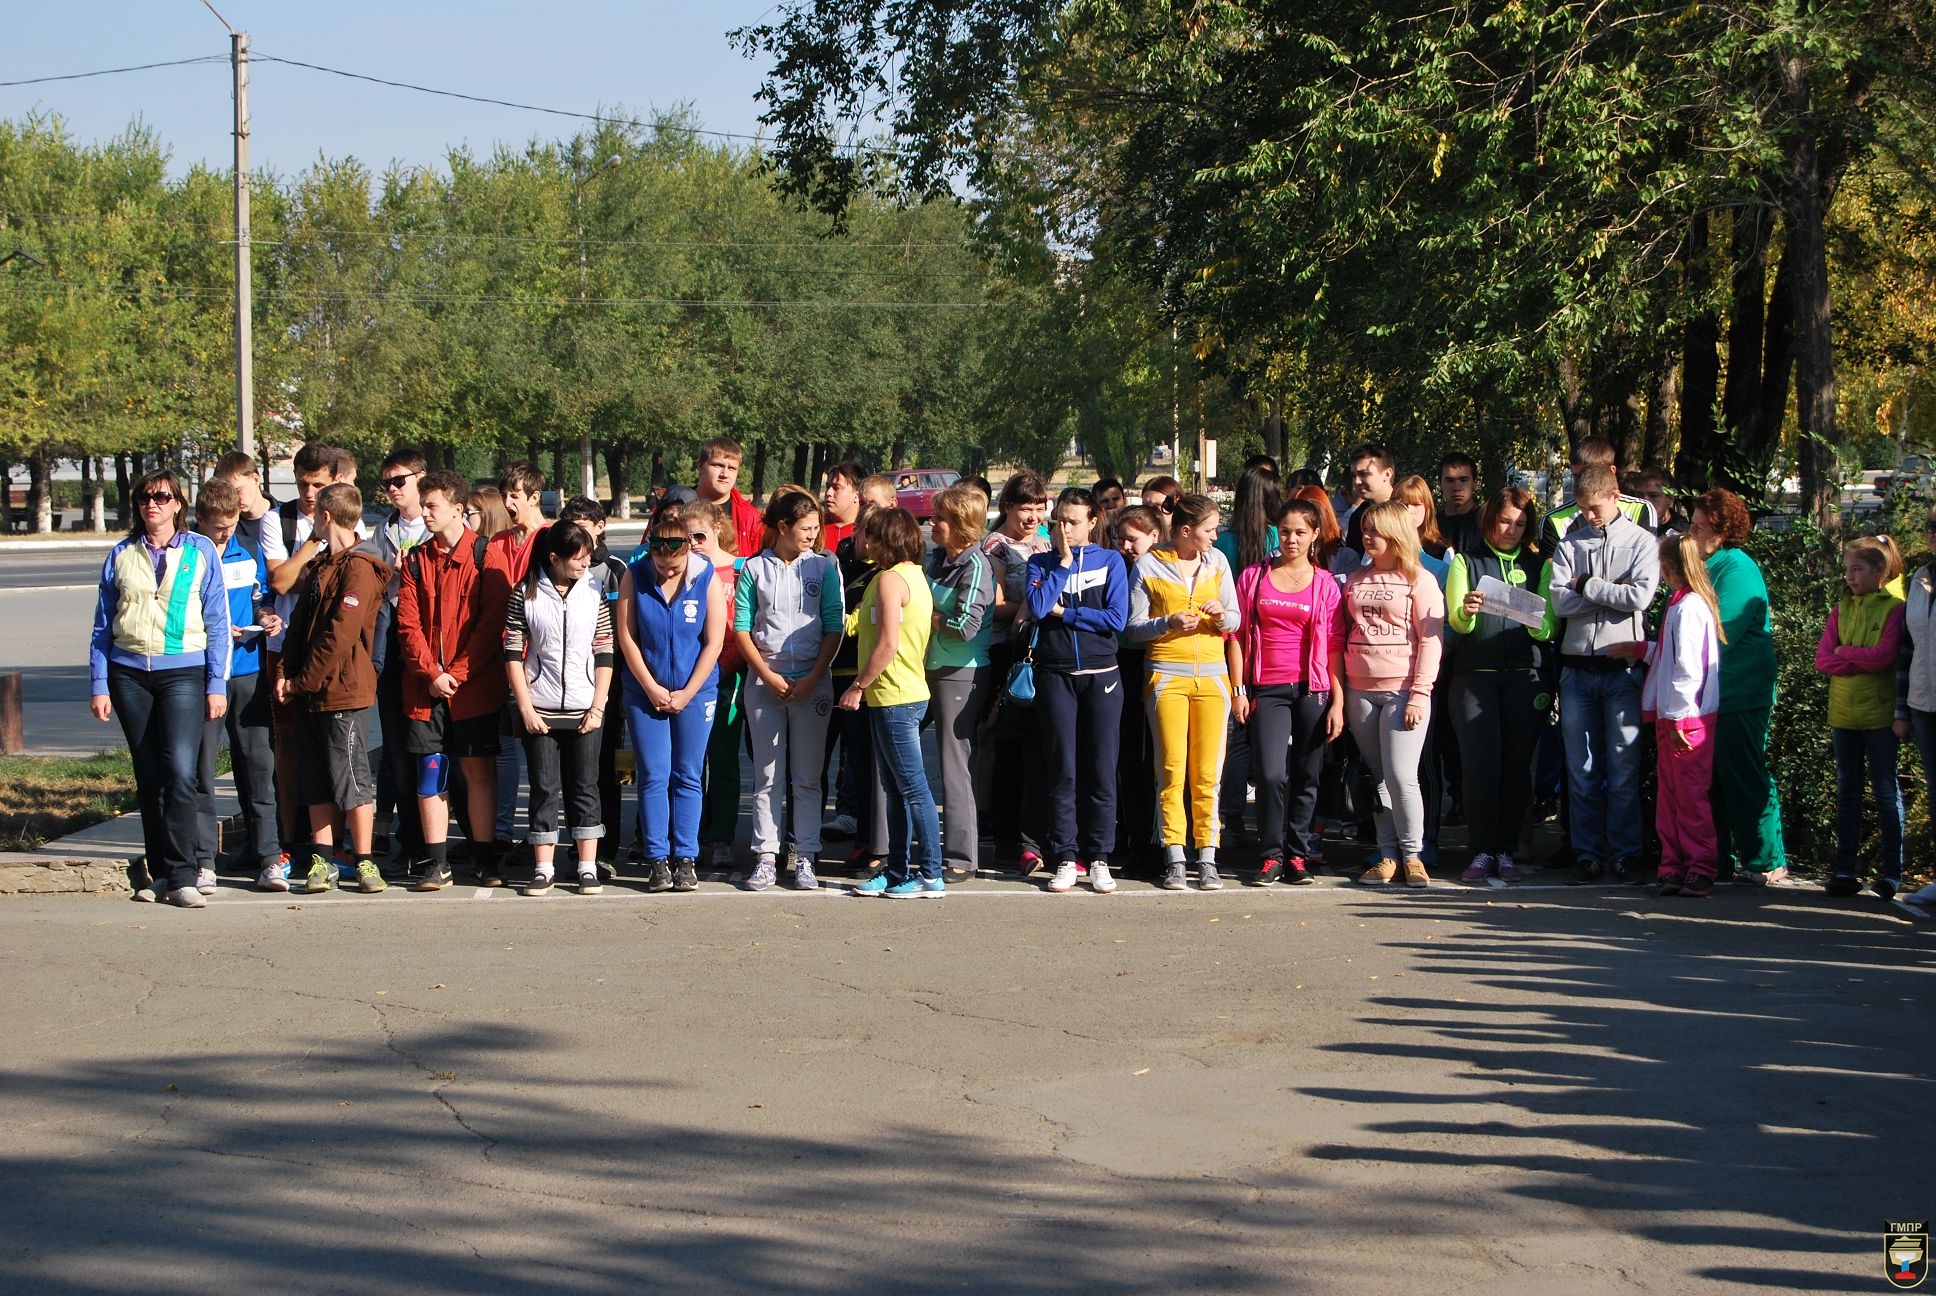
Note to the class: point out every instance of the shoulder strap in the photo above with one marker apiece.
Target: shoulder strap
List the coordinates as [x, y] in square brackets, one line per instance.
[478, 545]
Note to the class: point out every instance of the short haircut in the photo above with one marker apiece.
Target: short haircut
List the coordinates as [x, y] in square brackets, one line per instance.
[966, 510]
[787, 507]
[1595, 452]
[1021, 488]
[878, 482]
[1595, 481]
[1655, 479]
[448, 483]
[342, 464]
[719, 445]
[1513, 497]
[406, 457]
[581, 508]
[893, 537]
[521, 475]
[1458, 459]
[314, 457]
[1377, 453]
[219, 498]
[1106, 483]
[1727, 513]
[341, 503]
[235, 464]
[852, 471]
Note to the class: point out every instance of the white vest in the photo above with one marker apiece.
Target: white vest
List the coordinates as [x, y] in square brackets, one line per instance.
[1919, 622]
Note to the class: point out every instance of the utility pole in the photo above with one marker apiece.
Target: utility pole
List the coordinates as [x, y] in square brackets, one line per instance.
[244, 272]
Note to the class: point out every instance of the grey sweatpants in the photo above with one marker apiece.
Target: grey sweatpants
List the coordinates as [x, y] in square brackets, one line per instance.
[789, 737]
[1391, 753]
[958, 699]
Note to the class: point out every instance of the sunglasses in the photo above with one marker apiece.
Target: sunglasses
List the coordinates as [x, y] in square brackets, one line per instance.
[155, 497]
[392, 483]
[669, 544]
[699, 537]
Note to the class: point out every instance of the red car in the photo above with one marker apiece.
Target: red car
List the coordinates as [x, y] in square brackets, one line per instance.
[915, 489]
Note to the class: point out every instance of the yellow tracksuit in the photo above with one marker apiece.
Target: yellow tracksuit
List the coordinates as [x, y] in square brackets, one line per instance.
[1188, 691]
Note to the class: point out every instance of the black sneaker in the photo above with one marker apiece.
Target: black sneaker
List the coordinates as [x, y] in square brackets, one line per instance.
[685, 874]
[1627, 873]
[1296, 873]
[1843, 884]
[659, 877]
[540, 884]
[1884, 888]
[1268, 872]
[1697, 886]
[435, 877]
[1673, 883]
[485, 865]
[1590, 873]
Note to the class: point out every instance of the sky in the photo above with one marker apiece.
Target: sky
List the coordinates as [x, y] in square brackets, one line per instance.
[579, 55]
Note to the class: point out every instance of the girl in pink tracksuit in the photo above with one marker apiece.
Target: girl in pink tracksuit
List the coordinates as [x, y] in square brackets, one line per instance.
[1681, 697]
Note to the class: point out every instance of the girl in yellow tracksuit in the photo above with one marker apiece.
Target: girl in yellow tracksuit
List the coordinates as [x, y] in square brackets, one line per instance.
[1182, 602]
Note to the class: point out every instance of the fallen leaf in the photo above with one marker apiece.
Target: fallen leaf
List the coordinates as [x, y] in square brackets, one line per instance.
[1118, 941]
[438, 986]
[383, 992]
[1297, 987]
[1144, 1071]
[754, 1106]
[1374, 978]
[1216, 920]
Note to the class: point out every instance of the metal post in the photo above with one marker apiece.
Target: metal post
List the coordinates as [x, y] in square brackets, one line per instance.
[244, 279]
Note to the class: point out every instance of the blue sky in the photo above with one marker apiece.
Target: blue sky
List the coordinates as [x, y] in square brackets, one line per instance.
[582, 55]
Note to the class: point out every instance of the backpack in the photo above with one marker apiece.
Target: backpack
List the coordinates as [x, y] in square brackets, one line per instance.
[288, 512]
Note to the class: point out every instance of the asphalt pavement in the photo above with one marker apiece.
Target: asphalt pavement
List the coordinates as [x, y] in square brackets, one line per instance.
[1318, 1090]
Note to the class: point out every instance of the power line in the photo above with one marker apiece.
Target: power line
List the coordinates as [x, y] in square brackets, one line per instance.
[426, 299]
[139, 67]
[540, 108]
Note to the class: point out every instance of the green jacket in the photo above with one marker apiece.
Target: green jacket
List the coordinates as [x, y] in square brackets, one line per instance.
[1748, 654]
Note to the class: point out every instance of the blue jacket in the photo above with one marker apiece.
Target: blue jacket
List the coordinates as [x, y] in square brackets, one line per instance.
[672, 634]
[246, 574]
[1094, 593]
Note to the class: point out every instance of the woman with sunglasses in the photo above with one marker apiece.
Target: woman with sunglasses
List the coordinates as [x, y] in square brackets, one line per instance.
[671, 627]
[159, 661]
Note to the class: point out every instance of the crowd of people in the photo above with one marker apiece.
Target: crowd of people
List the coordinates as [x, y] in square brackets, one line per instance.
[1106, 680]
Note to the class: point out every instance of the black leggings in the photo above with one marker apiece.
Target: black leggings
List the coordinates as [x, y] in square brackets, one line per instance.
[1286, 728]
[1498, 726]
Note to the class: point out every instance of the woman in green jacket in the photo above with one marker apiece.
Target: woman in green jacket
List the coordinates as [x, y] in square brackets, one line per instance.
[1747, 811]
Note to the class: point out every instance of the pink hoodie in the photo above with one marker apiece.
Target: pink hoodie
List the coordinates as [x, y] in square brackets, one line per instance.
[1393, 631]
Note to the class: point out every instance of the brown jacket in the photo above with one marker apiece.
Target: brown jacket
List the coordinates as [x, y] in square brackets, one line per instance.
[326, 655]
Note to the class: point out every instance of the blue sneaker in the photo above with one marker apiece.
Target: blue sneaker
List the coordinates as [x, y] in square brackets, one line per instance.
[917, 888]
[763, 875]
[876, 885]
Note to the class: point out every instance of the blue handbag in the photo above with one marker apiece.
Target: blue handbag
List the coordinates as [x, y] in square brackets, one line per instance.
[1019, 687]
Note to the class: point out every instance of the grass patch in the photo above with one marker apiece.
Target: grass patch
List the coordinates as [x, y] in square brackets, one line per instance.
[43, 798]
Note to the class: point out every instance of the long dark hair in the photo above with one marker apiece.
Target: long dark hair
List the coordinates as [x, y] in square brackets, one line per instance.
[559, 540]
[1252, 514]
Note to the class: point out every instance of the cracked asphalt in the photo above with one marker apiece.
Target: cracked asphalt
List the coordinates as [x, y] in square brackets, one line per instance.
[1321, 1090]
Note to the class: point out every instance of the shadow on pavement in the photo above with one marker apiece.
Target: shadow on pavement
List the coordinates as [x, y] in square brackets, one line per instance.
[1748, 1055]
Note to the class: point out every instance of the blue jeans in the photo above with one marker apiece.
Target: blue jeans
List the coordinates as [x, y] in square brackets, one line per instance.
[1602, 733]
[1876, 749]
[669, 757]
[896, 731]
[162, 714]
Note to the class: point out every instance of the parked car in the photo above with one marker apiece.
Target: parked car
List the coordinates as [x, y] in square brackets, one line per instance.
[1915, 474]
[915, 489]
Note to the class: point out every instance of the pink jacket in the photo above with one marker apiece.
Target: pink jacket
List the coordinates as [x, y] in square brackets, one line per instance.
[1394, 631]
[1325, 626]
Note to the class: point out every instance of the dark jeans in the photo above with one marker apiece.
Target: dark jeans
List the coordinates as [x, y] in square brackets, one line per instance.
[564, 773]
[251, 727]
[1873, 750]
[1286, 728]
[1011, 774]
[396, 774]
[162, 714]
[896, 731]
[1081, 718]
[1497, 725]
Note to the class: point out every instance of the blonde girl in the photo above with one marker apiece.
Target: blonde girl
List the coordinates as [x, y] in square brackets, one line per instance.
[1393, 617]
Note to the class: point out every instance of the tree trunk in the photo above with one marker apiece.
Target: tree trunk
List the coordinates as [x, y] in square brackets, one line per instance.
[1700, 374]
[1814, 353]
[559, 479]
[759, 469]
[1747, 317]
[802, 451]
[91, 493]
[618, 467]
[1777, 364]
[40, 488]
[897, 455]
[123, 484]
[1658, 451]
[658, 470]
[1575, 411]
[1274, 431]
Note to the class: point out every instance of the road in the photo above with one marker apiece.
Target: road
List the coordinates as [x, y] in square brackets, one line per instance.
[1310, 1091]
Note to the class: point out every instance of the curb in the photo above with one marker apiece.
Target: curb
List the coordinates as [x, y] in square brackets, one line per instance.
[26, 876]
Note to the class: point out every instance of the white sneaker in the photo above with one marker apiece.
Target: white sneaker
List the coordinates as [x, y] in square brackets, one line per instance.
[1065, 877]
[205, 881]
[1099, 879]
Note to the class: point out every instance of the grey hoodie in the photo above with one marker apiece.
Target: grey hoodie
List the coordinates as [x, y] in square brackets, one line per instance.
[1622, 568]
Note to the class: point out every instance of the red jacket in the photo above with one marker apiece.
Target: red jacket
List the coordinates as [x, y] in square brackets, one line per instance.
[748, 526]
[444, 624]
